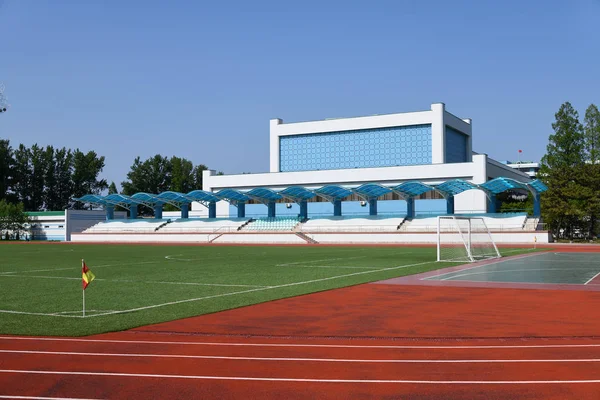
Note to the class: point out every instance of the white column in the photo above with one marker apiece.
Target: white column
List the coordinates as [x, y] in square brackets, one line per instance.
[274, 144]
[438, 134]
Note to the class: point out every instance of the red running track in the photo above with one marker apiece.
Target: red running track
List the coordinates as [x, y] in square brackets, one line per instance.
[367, 341]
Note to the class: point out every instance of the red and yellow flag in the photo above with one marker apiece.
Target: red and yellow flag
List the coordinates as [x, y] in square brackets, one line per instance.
[86, 275]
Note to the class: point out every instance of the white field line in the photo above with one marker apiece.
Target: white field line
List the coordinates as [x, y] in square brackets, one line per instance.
[134, 281]
[223, 294]
[314, 261]
[591, 279]
[40, 314]
[266, 379]
[481, 266]
[291, 345]
[513, 270]
[77, 267]
[333, 360]
[40, 398]
[332, 266]
[260, 289]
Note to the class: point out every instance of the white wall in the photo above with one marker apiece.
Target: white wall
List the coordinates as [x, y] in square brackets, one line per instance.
[438, 117]
[77, 221]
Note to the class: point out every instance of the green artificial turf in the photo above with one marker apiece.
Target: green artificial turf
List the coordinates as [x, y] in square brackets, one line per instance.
[140, 285]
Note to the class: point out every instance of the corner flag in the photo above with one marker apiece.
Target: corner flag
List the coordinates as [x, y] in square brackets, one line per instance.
[86, 275]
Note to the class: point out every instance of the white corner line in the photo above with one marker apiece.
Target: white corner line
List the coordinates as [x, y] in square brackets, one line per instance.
[593, 277]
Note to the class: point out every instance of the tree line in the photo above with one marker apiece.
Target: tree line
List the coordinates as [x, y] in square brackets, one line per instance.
[47, 178]
[571, 170]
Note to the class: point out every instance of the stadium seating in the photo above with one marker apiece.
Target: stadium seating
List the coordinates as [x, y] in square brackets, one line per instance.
[204, 225]
[494, 222]
[378, 223]
[127, 226]
[273, 224]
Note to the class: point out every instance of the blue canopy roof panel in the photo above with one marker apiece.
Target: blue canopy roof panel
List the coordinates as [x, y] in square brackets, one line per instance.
[455, 186]
[298, 193]
[371, 190]
[412, 189]
[232, 195]
[333, 192]
[120, 200]
[147, 199]
[92, 199]
[202, 196]
[500, 185]
[538, 186]
[175, 198]
[264, 194]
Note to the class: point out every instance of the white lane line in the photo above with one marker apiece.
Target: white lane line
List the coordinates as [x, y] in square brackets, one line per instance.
[332, 360]
[593, 277]
[265, 379]
[259, 289]
[40, 398]
[333, 346]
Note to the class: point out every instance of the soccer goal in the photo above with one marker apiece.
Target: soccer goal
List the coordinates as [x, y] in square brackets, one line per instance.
[464, 239]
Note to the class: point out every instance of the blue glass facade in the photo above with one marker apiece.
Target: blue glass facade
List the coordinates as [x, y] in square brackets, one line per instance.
[367, 148]
[456, 146]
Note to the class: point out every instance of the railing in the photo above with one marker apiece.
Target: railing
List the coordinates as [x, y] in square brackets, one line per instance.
[492, 228]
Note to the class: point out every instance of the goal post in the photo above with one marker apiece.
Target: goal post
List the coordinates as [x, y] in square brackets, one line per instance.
[464, 239]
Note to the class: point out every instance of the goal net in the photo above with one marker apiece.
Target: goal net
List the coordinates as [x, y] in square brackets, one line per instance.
[464, 239]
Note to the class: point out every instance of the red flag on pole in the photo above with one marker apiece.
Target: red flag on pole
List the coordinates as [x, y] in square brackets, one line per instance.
[520, 151]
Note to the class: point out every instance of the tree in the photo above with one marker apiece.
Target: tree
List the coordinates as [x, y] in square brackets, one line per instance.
[112, 189]
[151, 176]
[182, 175]
[6, 161]
[592, 133]
[561, 169]
[63, 170]
[86, 169]
[591, 173]
[36, 181]
[22, 173]
[13, 220]
[198, 170]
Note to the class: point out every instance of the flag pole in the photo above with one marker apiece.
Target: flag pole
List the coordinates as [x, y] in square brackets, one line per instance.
[83, 290]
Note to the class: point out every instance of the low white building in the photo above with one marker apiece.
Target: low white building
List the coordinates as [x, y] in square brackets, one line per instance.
[431, 147]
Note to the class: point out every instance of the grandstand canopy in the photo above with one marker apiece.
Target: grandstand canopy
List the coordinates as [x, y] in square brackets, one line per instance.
[121, 200]
[297, 193]
[148, 199]
[455, 186]
[92, 199]
[371, 190]
[201, 196]
[538, 186]
[232, 196]
[500, 185]
[264, 195]
[174, 198]
[412, 189]
[333, 192]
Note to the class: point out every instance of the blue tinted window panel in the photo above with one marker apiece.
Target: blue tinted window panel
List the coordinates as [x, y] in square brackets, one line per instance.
[367, 148]
[456, 146]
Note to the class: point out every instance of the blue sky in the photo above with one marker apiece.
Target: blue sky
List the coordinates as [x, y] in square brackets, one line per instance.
[201, 79]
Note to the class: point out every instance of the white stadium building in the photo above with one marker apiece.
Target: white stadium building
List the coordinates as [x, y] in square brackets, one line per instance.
[373, 179]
